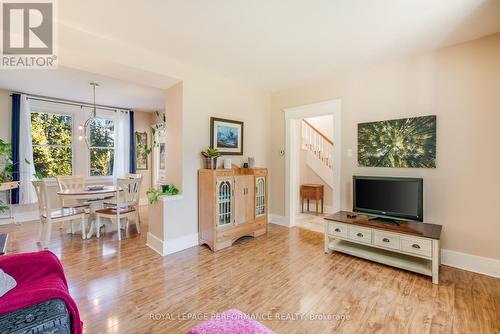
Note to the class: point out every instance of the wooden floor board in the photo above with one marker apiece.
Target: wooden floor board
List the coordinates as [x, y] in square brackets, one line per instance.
[283, 277]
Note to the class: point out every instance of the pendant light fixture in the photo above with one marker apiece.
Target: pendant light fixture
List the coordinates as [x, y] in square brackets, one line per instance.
[86, 126]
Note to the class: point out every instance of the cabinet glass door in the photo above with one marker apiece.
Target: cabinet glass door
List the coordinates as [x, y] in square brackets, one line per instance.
[224, 202]
[260, 196]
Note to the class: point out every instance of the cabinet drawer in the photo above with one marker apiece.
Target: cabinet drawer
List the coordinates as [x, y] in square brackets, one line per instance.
[387, 240]
[339, 230]
[260, 172]
[360, 235]
[417, 246]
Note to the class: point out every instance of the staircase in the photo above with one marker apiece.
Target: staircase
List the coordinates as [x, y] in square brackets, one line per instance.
[319, 148]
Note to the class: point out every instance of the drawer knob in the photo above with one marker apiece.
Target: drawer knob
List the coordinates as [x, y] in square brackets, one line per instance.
[360, 235]
[416, 246]
[337, 230]
[386, 240]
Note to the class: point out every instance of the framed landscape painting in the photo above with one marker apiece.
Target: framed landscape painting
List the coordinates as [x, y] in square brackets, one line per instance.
[141, 156]
[399, 143]
[226, 136]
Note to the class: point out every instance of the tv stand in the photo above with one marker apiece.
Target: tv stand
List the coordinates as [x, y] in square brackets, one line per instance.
[385, 220]
[412, 246]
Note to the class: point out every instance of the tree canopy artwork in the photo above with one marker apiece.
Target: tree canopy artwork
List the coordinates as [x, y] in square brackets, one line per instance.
[400, 143]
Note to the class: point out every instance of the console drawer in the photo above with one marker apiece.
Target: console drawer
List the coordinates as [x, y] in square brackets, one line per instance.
[417, 246]
[339, 230]
[386, 240]
[360, 234]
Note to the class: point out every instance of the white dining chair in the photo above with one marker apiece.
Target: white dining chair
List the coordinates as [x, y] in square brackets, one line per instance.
[126, 206]
[72, 182]
[111, 202]
[51, 212]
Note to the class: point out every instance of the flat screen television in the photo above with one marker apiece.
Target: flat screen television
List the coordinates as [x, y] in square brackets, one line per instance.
[389, 197]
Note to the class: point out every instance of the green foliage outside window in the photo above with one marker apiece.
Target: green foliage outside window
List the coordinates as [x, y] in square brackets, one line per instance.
[52, 144]
[102, 151]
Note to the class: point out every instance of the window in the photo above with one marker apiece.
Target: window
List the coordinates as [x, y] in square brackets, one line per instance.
[52, 144]
[102, 147]
[58, 141]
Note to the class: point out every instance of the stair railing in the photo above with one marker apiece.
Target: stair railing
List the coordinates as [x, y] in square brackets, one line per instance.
[317, 143]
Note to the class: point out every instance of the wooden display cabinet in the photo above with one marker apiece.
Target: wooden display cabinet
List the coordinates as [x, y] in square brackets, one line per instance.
[232, 203]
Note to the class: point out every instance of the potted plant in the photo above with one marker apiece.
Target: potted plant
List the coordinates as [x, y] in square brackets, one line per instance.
[164, 190]
[210, 156]
[7, 168]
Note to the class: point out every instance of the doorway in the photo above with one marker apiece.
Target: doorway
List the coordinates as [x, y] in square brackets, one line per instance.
[294, 142]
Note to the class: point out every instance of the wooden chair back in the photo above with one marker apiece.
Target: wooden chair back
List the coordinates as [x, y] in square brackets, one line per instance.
[47, 203]
[71, 182]
[129, 194]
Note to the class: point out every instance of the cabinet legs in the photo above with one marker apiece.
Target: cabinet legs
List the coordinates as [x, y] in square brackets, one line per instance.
[436, 261]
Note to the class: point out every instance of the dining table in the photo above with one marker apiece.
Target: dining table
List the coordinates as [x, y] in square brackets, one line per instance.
[94, 197]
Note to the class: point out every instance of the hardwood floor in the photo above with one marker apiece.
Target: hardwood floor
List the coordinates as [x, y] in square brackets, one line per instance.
[120, 286]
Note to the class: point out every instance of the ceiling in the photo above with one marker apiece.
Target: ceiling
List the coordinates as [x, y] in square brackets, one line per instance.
[70, 84]
[276, 44]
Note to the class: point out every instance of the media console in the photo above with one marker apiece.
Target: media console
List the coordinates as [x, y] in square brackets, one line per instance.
[408, 245]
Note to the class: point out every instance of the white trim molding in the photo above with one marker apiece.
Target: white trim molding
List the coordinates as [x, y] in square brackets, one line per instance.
[171, 246]
[168, 198]
[278, 220]
[155, 243]
[292, 116]
[179, 244]
[469, 262]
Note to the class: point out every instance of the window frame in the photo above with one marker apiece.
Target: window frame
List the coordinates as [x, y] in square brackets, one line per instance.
[102, 115]
[41, 109]
[79, 114]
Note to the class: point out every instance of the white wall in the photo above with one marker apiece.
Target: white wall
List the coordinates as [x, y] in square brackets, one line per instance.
[323, 124]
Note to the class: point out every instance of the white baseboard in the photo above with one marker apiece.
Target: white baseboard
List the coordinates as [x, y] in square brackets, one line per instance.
[155, 243]
[278, 220]
[474, 263]
[171, 246]
[178, 244]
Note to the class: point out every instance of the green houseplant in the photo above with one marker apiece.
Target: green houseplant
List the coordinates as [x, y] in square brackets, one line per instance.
[164, 190]
[210, 156]
[7, 168]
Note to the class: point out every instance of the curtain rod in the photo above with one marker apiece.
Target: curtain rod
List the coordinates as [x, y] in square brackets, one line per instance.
[70, 102]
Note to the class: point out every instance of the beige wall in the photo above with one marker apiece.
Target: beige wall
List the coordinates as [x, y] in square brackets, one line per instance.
[323, 124]
[142, 123]
[173, 112]
[5, 115]
[459, 84]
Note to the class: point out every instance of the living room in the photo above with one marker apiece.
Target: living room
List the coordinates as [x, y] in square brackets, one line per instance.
[215, 247]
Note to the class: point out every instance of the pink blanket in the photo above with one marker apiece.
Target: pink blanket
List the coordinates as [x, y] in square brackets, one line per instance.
[40, 277]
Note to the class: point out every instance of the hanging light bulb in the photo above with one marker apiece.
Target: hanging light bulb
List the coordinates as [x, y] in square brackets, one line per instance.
[92, 116]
